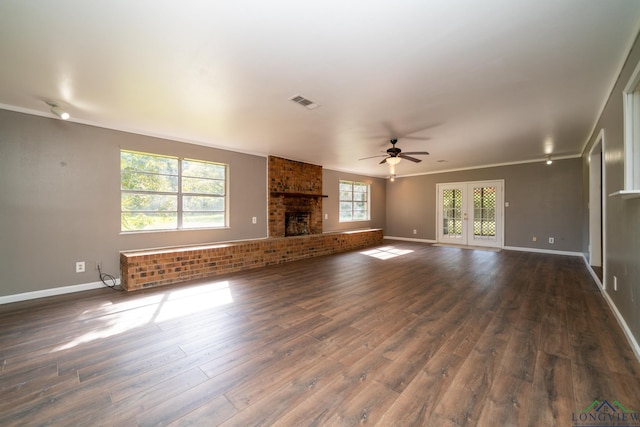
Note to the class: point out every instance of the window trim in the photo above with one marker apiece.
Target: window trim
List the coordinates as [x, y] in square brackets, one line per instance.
[631, 108]
[352, 201]
[179, 194]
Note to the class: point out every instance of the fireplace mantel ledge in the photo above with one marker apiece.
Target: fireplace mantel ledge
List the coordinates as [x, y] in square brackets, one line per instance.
[283, 193]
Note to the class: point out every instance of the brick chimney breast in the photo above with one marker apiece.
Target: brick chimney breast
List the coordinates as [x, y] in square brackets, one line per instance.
[294, 187]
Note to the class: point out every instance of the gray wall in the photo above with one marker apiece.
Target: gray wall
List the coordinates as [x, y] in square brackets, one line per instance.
[622, 227]
[331, 205]
[60, 200]
[544, 200]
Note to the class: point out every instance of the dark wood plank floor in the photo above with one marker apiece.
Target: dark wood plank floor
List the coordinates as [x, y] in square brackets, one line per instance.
[418, 335]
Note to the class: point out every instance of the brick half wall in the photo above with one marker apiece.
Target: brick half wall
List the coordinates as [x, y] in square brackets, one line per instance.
[149, 268]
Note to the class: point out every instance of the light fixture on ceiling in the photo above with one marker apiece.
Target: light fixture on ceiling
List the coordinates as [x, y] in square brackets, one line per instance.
[58, 111]
[392, 177]
[393, 160]
[549, 161]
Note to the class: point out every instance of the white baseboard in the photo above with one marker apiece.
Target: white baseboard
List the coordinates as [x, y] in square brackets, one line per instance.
[612, 305]
[408, 239]
[507, 248]
[542, 251]
[52, 292]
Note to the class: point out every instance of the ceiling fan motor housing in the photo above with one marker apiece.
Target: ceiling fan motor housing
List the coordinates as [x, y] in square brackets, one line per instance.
[393, 152]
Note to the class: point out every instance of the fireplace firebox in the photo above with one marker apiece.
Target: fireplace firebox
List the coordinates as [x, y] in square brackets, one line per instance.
[297, 223]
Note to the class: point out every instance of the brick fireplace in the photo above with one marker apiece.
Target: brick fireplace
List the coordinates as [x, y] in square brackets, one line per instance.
[295, 191]
[295, 198]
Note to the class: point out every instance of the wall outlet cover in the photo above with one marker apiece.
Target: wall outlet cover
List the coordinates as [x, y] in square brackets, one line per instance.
[80, 267]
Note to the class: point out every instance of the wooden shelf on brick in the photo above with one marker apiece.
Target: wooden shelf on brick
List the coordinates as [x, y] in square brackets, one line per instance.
[280, 193]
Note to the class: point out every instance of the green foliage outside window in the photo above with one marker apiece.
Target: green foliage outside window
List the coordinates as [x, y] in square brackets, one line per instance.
[163, 193]
[354, 201]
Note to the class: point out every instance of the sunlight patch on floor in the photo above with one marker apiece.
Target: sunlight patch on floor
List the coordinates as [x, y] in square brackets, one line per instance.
[386, 252]
[114, 319]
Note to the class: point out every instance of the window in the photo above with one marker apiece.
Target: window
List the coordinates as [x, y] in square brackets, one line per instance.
[170, 193]
[354, 201]
[631, 97]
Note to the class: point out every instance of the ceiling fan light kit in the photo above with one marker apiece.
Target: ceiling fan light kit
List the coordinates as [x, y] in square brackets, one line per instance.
[393, 160]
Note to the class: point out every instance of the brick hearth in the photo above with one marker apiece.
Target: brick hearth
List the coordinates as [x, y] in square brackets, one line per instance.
[144, 269]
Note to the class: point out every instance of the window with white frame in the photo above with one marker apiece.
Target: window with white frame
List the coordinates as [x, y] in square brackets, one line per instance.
[354, 201]
[170, 193]
[631, 98]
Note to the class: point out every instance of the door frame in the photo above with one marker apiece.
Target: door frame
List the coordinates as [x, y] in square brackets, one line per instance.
[597, 204]
[499, 183]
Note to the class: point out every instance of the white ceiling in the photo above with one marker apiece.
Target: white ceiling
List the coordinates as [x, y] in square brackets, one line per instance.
[488, 82]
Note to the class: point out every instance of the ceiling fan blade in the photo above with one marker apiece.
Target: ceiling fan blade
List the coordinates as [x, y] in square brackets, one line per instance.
[373, 157]
[393, 132]
[398, 137]
[413, 159]
[418, 138]
[424, 153]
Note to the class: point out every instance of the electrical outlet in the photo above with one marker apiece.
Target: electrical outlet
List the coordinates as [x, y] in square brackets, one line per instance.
[80, 267]
[326, 216]
[535, 239]
[415, 231]
[98, 265]
[615, 283]
[254, 220]
[551, 240]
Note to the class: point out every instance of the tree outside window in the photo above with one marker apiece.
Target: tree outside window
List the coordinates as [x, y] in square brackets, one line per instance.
[354, 201]
[170, 193]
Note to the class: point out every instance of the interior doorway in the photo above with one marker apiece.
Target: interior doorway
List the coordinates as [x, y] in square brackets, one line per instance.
[471, 213]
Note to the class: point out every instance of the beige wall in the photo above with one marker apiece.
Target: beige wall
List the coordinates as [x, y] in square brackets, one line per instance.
[544, 201]
[60, 200]
[622, 227]
[331, 205]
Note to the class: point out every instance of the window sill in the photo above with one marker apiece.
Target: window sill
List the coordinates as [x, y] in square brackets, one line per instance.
[172, 230]
[626, 194]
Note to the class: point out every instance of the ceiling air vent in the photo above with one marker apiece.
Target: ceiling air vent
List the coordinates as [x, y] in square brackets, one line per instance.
[304, 102]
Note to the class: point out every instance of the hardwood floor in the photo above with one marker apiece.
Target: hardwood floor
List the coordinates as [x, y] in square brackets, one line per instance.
[432, 336]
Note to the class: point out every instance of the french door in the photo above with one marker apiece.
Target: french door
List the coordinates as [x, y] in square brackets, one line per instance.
[471, 213]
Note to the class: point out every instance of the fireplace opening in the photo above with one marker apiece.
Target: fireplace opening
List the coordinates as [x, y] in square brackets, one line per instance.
[296, 223]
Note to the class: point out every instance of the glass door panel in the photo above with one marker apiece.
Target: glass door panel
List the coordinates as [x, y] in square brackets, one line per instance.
[484, 214]
[452, 227]
[470, 213]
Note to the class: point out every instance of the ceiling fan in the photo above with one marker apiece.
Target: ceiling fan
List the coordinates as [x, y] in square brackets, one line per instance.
[394, 154]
